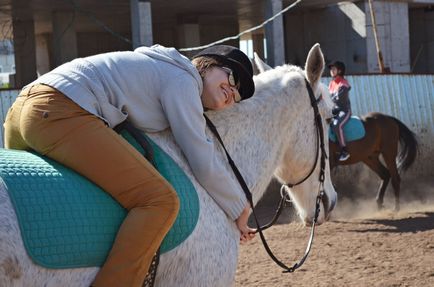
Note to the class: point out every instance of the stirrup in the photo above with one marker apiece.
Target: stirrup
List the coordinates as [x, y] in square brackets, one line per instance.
[344, 156]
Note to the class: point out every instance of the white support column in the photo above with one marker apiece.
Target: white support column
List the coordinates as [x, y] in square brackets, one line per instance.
[258, 44]
[141, 23]
[188, 36]
[274, 34]
[42, 54]
[393, 35]
[400, 37]
[64, 37]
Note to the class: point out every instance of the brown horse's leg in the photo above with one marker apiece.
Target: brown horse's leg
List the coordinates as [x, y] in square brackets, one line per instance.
[390, 160]
[375, 164]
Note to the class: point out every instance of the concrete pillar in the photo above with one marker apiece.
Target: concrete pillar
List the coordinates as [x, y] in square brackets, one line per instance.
[188, 35]
[393, 35]
[422, 41]
[258, 44]
[297, 41]
[141, 23]
[42, 54]
[347, 31]
[274, 34]
[64, 37]
[24, 43]
[210, 32]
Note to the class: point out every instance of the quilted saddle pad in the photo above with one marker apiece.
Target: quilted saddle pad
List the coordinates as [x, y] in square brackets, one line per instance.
[353, 130]
[66, 221]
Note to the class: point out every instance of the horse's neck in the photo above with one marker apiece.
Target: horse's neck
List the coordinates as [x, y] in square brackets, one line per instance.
[257, 132]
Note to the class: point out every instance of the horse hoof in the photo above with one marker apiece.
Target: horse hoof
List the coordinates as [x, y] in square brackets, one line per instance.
[380, 207]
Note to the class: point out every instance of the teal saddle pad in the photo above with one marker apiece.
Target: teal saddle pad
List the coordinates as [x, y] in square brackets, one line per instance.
[353, 130]
[66, 221]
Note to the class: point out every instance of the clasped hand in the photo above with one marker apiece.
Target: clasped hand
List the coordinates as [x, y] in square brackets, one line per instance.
[246, 233]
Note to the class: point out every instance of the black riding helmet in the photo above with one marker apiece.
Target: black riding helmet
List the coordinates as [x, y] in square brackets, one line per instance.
[238, 62]
[339, 65]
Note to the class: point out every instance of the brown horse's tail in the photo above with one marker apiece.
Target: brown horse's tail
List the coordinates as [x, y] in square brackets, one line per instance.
[409, 146]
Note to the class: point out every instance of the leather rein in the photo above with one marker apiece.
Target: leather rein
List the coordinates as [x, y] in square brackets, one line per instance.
[285, 197]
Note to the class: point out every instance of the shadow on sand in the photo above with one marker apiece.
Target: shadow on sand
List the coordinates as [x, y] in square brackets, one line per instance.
[416, 222]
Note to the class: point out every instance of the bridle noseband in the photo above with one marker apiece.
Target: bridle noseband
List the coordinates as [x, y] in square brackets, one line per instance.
[285, 198]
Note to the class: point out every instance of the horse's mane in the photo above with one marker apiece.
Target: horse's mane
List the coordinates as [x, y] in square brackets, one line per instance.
[290, 68]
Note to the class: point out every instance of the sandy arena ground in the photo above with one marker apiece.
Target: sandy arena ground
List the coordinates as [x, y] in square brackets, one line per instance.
[359, 246]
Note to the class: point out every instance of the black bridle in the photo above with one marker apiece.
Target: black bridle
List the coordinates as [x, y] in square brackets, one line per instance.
[284, 199]
[320, 145]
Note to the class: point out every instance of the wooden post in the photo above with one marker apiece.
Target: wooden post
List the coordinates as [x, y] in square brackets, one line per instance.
[377, 43]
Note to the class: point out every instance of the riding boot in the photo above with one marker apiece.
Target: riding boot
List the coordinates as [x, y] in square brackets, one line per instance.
[344, 155]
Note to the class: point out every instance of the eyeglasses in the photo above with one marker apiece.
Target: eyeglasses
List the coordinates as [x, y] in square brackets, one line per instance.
[232, 82]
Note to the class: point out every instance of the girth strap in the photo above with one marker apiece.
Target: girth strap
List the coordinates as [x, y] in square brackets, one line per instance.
[149, 155]
[139, 138]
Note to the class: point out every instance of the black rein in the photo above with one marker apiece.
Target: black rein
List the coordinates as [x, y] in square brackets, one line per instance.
[320, 146]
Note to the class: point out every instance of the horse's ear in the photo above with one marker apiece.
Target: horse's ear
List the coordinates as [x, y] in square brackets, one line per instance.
[261, 65]
[314, 64]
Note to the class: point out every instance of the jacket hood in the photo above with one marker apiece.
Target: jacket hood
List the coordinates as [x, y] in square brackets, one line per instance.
[172, 56]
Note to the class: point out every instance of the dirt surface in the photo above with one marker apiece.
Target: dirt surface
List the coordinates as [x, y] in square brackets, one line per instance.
[359, 246]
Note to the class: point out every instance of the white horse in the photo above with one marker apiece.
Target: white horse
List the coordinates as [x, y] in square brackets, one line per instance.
[270, 134]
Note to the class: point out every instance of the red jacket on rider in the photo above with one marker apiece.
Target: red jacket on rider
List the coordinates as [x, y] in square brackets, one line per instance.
[339, 88]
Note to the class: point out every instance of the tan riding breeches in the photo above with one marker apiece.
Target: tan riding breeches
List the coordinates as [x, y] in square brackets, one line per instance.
[45, 120]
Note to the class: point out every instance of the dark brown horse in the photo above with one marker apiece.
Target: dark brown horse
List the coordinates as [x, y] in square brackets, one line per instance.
[383, 134]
